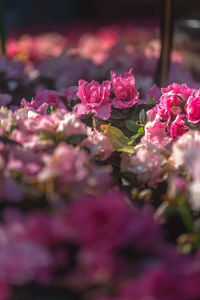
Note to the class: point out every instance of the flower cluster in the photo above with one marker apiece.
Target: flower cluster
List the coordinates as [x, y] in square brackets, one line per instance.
[175, 113]
[99, 179]
[96, 98]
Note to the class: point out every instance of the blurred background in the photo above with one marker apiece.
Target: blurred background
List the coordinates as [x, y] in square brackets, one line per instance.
[49, 12]
[109, 34]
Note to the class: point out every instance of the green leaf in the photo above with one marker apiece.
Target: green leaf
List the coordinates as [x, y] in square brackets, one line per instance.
[187, 218]
[119, 141]
[50, 109]
[117, 115]
[143, 116]
[135, 137]
[76, 138]
[14, 126]
[132, 125]
[152, 100]
[141, 130]
[189, 125]
[46, 135]
[6, 140]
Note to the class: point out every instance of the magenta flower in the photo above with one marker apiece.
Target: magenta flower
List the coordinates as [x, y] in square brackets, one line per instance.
[110, 225]
[179, 89]
[169, 105]
[178, 127]
[69, 93]
[124, 89]
[94, 98]
[42, 100]
[193, 108]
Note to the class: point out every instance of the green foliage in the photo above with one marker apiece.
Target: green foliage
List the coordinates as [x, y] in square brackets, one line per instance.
[76, 138]
[50, 109]
[119, 141]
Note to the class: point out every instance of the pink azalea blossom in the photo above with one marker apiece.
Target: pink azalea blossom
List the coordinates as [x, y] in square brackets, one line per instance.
[162, 283]
[181, 90]
[186, 144]
[98, 144]
[49, 97]
[169, 105]
[66, 164]
[147, 164]
[124, 90]
[69, 93]
[156, 134]
[178, 127]
[16, 267]
[42, 100]
[94, 98]
[193, 108]
[110, 227]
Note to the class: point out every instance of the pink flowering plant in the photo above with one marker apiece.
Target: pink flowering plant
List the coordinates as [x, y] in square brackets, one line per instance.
[99, 173]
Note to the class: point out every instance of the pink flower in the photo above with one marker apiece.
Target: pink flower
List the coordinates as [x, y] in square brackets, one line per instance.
[65, 163]
[156, 133]
[49, 97]
[186, 146]
[69, 93]
[110, 224]
[111, 230]
[69, 124]
[151, 114]
[178, 127]
[179, 89]
[146, 164]
[24, 161]
[162, 282]
[98, 144]
[169, 105]
[42, 100]
[94, 98]
[124, 89]
[193, 108]
[22, 261]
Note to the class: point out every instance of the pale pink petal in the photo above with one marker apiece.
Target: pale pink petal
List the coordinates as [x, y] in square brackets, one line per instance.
[81, 110]
[103, 112]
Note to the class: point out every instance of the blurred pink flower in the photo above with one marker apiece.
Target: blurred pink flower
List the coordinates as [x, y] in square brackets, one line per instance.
[146, 163]
[98, 144]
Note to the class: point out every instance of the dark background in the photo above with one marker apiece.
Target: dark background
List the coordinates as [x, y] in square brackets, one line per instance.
[19, 13]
